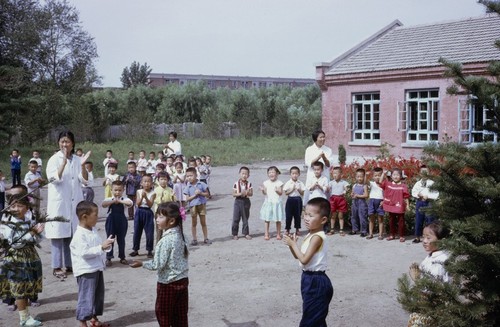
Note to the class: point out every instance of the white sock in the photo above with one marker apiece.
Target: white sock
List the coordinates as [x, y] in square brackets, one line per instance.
[24, 314]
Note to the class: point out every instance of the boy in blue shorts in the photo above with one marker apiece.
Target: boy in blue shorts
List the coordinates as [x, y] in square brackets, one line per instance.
[376, 198]
[196, 194]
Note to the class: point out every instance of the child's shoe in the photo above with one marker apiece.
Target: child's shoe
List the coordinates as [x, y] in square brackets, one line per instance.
[30, 322]
[134, 253]
[150, 254]
[207, 241]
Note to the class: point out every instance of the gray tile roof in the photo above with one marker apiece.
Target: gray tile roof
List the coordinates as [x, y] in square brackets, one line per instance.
[397, 47]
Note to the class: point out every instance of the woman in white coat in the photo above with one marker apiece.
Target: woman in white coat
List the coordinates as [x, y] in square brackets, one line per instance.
[66, 172]
[318, 151]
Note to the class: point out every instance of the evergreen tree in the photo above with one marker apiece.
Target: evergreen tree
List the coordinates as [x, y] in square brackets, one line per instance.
[468, 182]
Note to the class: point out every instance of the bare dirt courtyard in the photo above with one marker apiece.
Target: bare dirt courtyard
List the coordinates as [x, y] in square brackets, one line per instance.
[244, 282]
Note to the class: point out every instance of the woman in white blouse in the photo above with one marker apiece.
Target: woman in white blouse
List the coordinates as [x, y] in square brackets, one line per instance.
[66, 173]
[318, 151]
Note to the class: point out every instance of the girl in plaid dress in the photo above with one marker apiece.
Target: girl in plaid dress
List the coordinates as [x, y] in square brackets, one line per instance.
[21, 268]
[171, 262]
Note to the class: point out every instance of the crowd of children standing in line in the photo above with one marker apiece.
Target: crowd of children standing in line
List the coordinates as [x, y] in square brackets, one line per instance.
[165, 185]
[384, 193]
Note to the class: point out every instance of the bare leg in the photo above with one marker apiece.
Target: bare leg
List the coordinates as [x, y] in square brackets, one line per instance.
[341, 220]
[333, 219]
[203, 222]
[371, 225]
[381, 225]
[266, 233]
[194, 222]
[278, 229]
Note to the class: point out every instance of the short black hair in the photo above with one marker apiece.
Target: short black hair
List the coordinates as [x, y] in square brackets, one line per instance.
[244, 168]
[174, 134]
[316, 133]
[191, 170]
[439, 229]
[295, 168]
[318, 164]
[322, 205]
[89, 163]
[117, 183]
[163, 174]
[378, 169]
[33, 162]
[85, 208]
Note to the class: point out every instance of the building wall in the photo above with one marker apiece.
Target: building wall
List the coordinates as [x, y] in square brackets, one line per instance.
[337, 92]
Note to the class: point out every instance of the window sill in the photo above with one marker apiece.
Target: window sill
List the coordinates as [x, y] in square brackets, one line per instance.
[364, 143]
[417, 144]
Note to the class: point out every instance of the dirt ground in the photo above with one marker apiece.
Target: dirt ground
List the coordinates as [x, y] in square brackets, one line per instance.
[245, 282]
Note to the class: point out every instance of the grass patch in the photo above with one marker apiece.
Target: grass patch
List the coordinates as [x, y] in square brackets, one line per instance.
[226, 152]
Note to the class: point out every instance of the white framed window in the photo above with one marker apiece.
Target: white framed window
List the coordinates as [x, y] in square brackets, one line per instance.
[472, 119]
[419, 116]
[363, 117]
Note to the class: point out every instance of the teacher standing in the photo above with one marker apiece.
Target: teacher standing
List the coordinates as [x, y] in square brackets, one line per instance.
[318, 151]
[173, 147]
[66, 172]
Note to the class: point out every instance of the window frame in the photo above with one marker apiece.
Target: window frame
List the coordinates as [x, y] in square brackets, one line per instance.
[362, 116]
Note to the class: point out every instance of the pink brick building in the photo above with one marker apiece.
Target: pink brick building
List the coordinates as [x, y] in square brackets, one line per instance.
[390, 88]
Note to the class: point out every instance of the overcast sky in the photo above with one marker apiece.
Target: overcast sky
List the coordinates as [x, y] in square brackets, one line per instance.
[278, 38]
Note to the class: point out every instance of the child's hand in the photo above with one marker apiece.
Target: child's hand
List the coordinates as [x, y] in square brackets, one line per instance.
[107, 243]
[197, 192]
[38, 228]
[414, 271]
[289, 240]
[135, 264]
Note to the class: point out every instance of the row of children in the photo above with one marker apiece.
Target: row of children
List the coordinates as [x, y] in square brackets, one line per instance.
[384, 194]
[21, 277]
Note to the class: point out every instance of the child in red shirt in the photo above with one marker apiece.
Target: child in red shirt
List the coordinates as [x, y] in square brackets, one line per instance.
[396, 202]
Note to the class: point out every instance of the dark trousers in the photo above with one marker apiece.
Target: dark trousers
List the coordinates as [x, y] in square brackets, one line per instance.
[401, 223]
[131, 209]
[16, 177]
[293, 210]
[90, 295]
[317, 292]
[117, 226]
[144, 220]
[359, 212]
[2, 200]
[172, 303]
[241, 211]
[421, 218]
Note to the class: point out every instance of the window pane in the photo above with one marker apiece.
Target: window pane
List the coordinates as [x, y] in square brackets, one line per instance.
[412, 137]
[376, 96]
[424, 94]
[413, 95]
[357, 136]
[434, 137]
[358, 97]
[367, 136]
[376, 136]
[422, 137]
[435, 94]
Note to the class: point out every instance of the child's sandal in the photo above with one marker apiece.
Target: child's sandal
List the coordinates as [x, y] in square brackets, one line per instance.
[331, 232]
[342, 233]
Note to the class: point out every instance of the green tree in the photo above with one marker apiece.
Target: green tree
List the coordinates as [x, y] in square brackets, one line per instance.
[468, 182]
[135, 75]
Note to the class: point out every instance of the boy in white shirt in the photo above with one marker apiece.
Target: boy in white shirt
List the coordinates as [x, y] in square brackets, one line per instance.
[36, 157]
[293, 207]
[318, 185]
[424, 197]
[88, 255]
[376, 198]
[33, 180]
[338, 202]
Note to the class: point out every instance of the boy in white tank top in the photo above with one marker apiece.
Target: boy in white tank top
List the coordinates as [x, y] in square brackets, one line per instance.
[316, 287]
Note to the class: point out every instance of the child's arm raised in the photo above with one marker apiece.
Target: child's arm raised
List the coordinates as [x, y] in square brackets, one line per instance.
[304, 258]
[107, 202]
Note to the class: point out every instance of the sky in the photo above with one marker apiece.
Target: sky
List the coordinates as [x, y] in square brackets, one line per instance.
[265, 38]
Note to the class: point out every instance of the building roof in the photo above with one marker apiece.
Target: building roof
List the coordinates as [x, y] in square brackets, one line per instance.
[398, 47]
